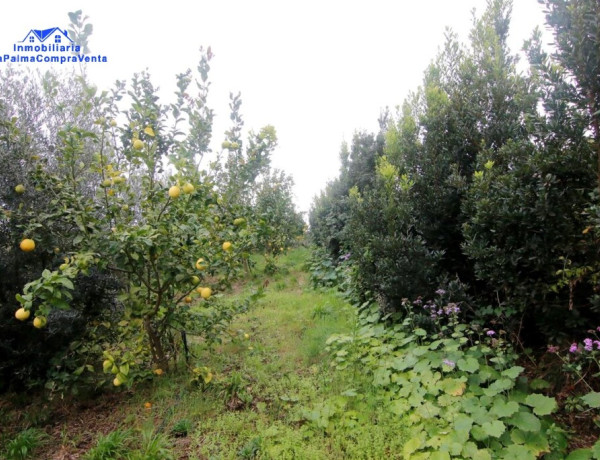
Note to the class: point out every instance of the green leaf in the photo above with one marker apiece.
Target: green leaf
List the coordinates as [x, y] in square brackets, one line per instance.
[495, 428]
[513, 372]
[66, 282]
[463, 422]
[596, 449]
[381, 377]
[580, 454]
[539, 384]
[499, 386]
[404, 362]
[542, 405]
[439, 456]
[420, 332]
[592, 399]
[411, 446]
[60, 304]
[517, 452]
[536, 442]
[525, 421]
[469, 364]
[503, 409]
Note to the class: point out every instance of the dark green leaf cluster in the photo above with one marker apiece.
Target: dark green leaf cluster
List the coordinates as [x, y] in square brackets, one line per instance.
[484, 175]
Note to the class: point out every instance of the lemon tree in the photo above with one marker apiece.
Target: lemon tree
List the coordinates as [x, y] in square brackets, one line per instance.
[152, 216]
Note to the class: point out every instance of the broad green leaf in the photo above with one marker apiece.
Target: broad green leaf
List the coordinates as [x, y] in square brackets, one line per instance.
[580, 454]
[482, 454]
[592, 399]
[428, 410]
[439, 456]
[503, 409]
[463, 423]
[513, 372]
[66, 282]
[596, 450]
[517, 452]
[539, 384]
[411, 446]
[381, 377]
[453, 387]
[536, 442]
[542, 405]
[525, 421]
[404, 362]
[420, 332]
[495, 428]
[499, 386]
[469, 364]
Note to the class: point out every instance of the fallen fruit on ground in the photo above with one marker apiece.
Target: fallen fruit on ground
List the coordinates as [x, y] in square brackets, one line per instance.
[20, 189]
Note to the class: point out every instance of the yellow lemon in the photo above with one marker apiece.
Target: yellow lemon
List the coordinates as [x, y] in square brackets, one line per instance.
[20, 189]
[201, 265]
[138, 144]
[27, 245]
[227, 246]
[21, 314]
[188, 299]
[174, 191]
[188, 188]
[39, 322]
[206, 293]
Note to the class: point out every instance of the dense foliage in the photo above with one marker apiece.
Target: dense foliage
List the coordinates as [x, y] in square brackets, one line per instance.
[485, 178]
[115, 239]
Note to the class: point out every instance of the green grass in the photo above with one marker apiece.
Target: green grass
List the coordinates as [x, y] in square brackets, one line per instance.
[273, 393]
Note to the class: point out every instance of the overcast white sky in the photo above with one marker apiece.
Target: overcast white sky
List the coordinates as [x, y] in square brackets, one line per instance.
[316, 70]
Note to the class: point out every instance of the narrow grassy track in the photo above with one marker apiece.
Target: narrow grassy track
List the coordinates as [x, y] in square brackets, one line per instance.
[272, 392]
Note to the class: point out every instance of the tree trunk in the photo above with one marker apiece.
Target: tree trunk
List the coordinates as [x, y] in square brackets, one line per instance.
[158, 353]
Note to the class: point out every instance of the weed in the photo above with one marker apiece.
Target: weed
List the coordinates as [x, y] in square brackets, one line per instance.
[111, 446]
[24, 444]
[182, 428]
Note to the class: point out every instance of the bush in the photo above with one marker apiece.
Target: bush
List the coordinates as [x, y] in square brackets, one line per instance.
[526, 213]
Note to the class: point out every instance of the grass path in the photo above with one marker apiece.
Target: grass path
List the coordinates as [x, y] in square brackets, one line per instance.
[273, 394]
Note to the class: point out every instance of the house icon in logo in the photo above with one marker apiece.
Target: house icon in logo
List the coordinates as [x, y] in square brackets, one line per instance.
[52, 35]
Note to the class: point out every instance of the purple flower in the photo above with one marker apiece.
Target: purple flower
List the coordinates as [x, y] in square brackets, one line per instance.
[553, 349]
[597, 343]
[573, 348]
[491, 333]
[588, 344]
[449, 363]
[345, 256]
[440, 292]
[418, 301]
